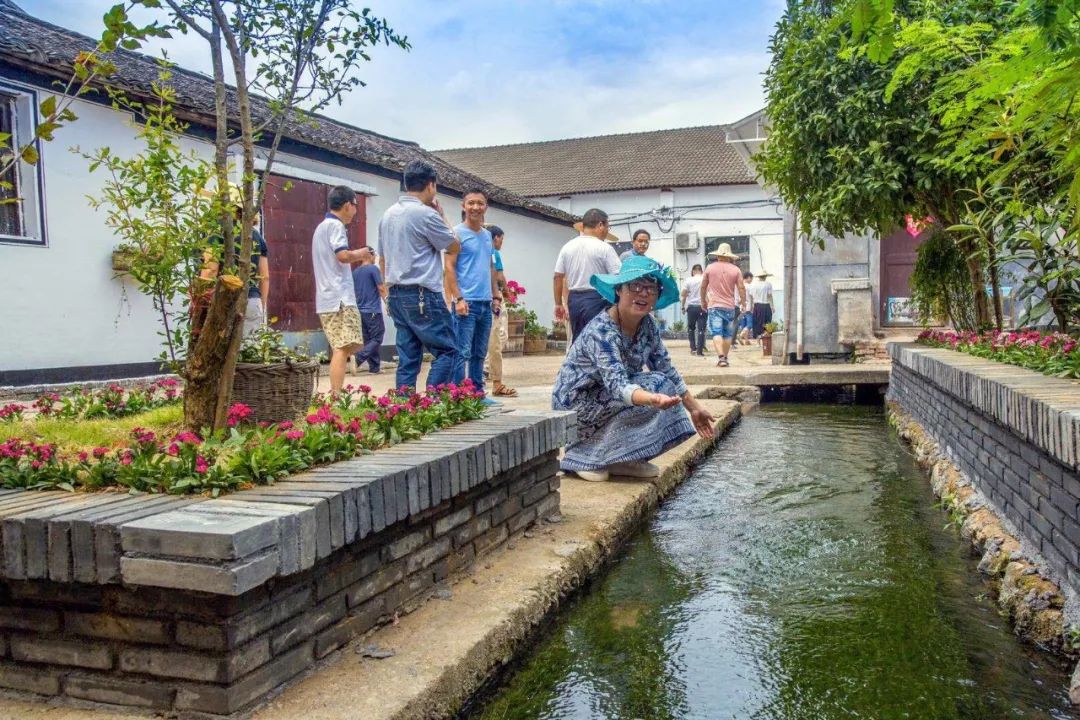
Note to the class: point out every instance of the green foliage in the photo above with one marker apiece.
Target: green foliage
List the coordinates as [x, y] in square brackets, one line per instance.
[839, 155]
[1049, 353]
[940, 283]
[267, 345]
[153, 202]
[678, 326]
[532, 324]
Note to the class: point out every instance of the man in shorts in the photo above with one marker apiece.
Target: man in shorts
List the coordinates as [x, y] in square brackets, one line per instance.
[335, 297]
[719, 284]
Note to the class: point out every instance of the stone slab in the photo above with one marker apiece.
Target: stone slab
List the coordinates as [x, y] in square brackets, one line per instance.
[183, 533]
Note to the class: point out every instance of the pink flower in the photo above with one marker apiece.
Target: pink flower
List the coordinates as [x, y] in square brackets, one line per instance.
[384, 402]
[83, 456]
[295, 434]
[173, 450]
[287, 425]
[100, 452]
[371, 417]
[188, 438]
[365, 389]
[127, 457]
[237, 413]
[201, 466]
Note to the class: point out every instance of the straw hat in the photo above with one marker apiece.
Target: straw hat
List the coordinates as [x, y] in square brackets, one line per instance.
[763, 273]
[724, 251]
[580, 227]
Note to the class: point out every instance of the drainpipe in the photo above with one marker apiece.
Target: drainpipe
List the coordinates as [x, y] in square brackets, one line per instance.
[799, 297]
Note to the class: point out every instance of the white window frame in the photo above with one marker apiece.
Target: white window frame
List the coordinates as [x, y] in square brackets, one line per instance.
[31, 177]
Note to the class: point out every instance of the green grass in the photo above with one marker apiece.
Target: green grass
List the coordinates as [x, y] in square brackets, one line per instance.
[74, 435]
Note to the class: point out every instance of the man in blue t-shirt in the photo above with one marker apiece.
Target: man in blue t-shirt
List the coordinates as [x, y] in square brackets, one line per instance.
[478, 290]
[370, 292]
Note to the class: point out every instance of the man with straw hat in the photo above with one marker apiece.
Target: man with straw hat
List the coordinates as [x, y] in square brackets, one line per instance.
[626, 415]
[760, 291]
[721, 280]
[581, 258]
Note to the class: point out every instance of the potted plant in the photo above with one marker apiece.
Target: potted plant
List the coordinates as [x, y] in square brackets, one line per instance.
[515, 319]
[277, 382]
[767, 336]
[535, 334]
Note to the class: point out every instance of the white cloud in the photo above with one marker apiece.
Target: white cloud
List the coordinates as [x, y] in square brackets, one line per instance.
[492, 73]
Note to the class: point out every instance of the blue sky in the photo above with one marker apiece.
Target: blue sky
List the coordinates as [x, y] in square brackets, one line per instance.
[491, 72]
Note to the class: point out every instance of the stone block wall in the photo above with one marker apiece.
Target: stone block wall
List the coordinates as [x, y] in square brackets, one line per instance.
[1014, 433]
[169, 648]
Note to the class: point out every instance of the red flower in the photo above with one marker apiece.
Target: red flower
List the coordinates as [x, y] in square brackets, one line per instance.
[201, 466]
[100, 452]
[295, 434]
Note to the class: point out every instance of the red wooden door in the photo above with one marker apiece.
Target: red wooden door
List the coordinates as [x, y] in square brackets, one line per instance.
[289, 219]
[898, 252]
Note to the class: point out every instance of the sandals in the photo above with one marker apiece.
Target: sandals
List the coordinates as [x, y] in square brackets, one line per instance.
[503, 391]
[722, 362]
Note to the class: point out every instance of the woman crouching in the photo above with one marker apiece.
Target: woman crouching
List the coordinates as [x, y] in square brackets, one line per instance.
[626, 415]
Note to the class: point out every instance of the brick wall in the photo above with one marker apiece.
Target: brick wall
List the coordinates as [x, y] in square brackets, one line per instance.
[1035, 491]
[171, 649]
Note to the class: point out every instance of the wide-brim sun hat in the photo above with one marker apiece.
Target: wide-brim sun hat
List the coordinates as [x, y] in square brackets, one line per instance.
[610, 237]
[762, 273]
[633, 268]
[724, 251]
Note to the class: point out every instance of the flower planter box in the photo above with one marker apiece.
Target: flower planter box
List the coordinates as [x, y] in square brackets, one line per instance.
[191, 605]
[515, 334]
[275, 391]
[535, 344]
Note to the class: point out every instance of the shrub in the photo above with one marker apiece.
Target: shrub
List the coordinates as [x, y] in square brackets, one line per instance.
[1048, 353]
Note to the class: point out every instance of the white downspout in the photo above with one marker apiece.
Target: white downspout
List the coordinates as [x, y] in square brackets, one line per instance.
[799, 297]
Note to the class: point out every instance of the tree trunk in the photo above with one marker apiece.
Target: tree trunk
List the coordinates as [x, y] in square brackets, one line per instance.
[206, 364]
[978, 285]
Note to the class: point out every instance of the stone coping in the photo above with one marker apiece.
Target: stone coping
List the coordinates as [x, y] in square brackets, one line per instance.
[229, 545]
[1042, 410]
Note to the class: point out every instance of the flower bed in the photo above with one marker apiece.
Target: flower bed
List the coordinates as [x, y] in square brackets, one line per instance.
[1049, 353]
[181, 463]
[112, 401]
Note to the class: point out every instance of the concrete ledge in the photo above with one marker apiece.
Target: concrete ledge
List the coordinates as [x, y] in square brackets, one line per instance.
[794, 375]
[1044, 411]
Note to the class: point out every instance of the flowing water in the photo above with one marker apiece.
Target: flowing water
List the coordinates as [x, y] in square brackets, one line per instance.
[802, 572]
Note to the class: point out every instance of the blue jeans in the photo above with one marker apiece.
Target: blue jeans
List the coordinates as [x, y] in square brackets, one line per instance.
[423, 323]
[473, 331]
[722, 322]
[373, 328]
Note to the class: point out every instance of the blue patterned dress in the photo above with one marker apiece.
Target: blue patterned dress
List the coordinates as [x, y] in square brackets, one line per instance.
[599, 375]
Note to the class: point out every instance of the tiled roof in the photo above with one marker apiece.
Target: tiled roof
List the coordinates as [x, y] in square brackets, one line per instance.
[39, 46]
[683, 157]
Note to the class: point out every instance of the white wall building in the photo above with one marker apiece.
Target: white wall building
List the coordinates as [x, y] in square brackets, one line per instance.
[690, 185]
[68, 316]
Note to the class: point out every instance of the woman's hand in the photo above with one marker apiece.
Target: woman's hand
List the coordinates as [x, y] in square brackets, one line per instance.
[702, 419]
[663, 402]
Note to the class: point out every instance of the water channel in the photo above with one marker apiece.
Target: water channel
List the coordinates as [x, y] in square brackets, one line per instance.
[802, 572]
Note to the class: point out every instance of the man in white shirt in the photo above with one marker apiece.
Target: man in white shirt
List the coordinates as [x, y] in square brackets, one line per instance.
[761, 292]
[335, 298]
[578, 260]
[695, 314]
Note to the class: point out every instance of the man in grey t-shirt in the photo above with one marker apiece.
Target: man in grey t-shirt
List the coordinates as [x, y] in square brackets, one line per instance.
[412, 235]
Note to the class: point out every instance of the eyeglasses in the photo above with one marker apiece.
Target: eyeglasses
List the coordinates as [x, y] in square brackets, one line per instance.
[638, 288]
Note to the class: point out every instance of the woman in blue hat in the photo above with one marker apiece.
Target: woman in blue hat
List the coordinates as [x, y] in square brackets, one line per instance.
[627, 415]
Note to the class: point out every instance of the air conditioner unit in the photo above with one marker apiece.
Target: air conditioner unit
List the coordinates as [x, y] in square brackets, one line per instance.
[686, 241]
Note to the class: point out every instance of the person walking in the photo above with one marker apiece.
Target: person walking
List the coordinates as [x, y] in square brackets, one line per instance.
[719, 284]
[474, 273]
[413, 233]
[761, 292]
[335, 297]
[695, 314]
[586, 255]
[493, 367]
[370, 293]
[640, 244]
[745, 324]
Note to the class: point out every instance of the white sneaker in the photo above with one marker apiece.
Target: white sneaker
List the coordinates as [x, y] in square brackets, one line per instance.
[592, 475]
[635, 469]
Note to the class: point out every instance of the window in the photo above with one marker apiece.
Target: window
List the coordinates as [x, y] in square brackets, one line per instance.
[740, 245]
[21, 216]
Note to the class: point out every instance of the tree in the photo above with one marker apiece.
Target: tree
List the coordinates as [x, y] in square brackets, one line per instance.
[839, 153]
[88, 70]
[284, 55]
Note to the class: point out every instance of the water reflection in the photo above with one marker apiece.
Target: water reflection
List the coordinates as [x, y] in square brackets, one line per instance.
[803, 572]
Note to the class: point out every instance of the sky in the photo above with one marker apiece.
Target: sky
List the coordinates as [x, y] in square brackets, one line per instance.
[494, 72]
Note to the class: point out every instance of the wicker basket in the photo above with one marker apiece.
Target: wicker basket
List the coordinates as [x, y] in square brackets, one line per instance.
[275, 391]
